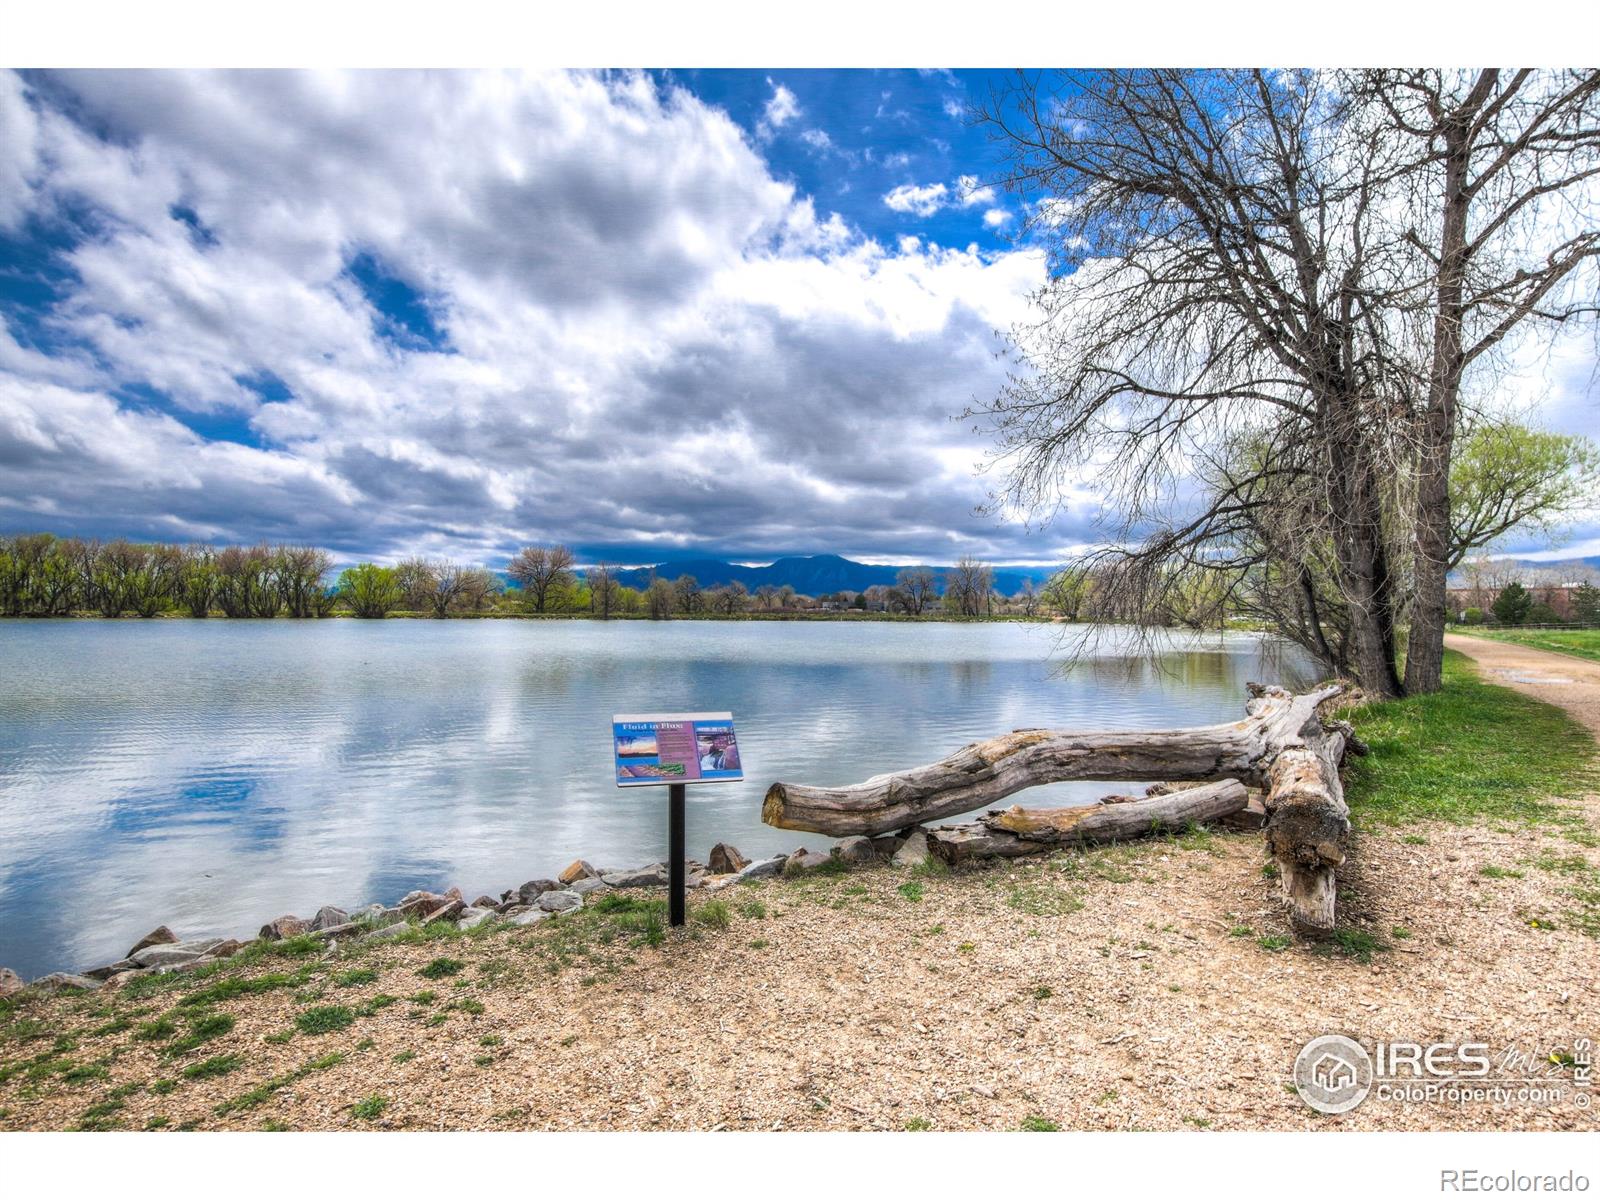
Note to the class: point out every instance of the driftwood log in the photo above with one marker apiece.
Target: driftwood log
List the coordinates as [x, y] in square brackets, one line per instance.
[1281, 747]
[1017, 831]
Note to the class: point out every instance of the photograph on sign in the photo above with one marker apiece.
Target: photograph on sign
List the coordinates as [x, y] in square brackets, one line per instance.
[675, 748]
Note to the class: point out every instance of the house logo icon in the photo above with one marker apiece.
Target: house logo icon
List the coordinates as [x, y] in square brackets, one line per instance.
[1333, 1074]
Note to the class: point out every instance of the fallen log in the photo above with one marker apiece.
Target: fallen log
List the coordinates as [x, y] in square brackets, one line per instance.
[983, 773]
[1281, 746]
[1018, 832]
[1122, 819]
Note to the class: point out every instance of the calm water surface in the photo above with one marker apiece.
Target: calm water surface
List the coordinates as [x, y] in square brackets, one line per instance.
[211, 775]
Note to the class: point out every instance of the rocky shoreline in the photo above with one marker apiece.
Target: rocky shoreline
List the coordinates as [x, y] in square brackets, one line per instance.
[161, 951]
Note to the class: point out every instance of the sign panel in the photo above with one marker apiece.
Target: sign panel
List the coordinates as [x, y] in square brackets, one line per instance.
[657, 748]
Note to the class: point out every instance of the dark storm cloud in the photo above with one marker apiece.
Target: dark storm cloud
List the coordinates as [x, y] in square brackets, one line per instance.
[496, 309]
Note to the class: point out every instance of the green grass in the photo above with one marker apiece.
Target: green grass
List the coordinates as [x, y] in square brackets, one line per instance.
[370, 1109]
[713, 914]
[222, 1064]
[355, 978]
[439, 968]
[918, 1125]
[1470, 752]
[1039, 1125]
[1491, 871]
[911, 892]
[328, 1018]
[1274, 942]
[1581, 643]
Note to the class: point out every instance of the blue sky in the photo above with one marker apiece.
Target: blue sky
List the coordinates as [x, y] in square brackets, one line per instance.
[653, 316]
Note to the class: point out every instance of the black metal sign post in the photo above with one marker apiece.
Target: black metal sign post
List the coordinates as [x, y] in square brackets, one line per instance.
[676, 794]
[676, 749]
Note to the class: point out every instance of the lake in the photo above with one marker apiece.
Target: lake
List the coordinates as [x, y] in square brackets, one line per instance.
[211, 775]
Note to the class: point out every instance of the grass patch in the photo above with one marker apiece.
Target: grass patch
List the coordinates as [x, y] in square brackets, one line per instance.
[1275, 941]
[326, 1018]
[713, 914]
[441, 968]
[1491, 871]
[918, 1125]
[370, 1109]
[911, 892]
[203, 1027]
[404, 1056]
[752, 909]
[222, 1064]
[1580, 643]
[238, 985]
[1353, 943]
[355, 978]
[1039, 1125]
[1041, 900]
[260, 1095]
[1470, 752]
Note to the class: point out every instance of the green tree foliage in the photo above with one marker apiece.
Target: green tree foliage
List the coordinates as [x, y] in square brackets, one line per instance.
[1474, 616]
[45, 576]
[1507, 476]
[370, 590]
[1586, 604]
[1512, 605]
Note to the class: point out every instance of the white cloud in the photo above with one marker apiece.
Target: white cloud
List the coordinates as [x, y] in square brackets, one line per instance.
[955, 108]
[782, 107]
[996, 218]
[618, 280]
[817, 139]
[971, 194]
[922, 201]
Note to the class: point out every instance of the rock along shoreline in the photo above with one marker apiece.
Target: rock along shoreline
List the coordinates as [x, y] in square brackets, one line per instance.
[161, 951]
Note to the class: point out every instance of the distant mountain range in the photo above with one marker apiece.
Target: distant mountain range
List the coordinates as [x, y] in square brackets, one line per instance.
[813, 575]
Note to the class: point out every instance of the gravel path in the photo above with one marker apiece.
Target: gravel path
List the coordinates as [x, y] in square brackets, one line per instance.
[1564, 679]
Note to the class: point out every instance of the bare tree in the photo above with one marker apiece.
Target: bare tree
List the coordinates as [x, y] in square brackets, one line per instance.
[917, 584]
[541, 573]
[660, 598]
[446, 582]
[478, 585]
[1502, 214]
[1213, 278]
[968, 584]
[690, 598]
[604, 590]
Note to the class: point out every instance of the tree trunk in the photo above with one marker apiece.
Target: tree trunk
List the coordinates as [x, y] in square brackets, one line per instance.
[1437, 429]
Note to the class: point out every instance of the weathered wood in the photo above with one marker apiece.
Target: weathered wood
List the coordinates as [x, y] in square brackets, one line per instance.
[1018, 832]
[963, 843]
[1308, 824]
[1282, 747]
[983, 773]
[1123, 818]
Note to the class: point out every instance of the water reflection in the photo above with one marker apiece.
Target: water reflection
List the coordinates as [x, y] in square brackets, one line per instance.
[213, 775]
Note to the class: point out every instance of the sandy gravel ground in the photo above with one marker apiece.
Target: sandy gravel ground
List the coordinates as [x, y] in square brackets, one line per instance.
[1146, 986]
[1564, 679]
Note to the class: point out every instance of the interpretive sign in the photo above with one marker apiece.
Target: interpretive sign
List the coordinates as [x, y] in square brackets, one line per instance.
[653, 749]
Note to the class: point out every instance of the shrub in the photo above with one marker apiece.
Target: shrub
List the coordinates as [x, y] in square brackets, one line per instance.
[1474, 616]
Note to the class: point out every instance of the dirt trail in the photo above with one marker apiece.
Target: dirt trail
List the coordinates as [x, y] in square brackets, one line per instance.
[1562, 679]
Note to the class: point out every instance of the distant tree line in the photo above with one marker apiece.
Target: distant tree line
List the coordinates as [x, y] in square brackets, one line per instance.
[42, 575]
